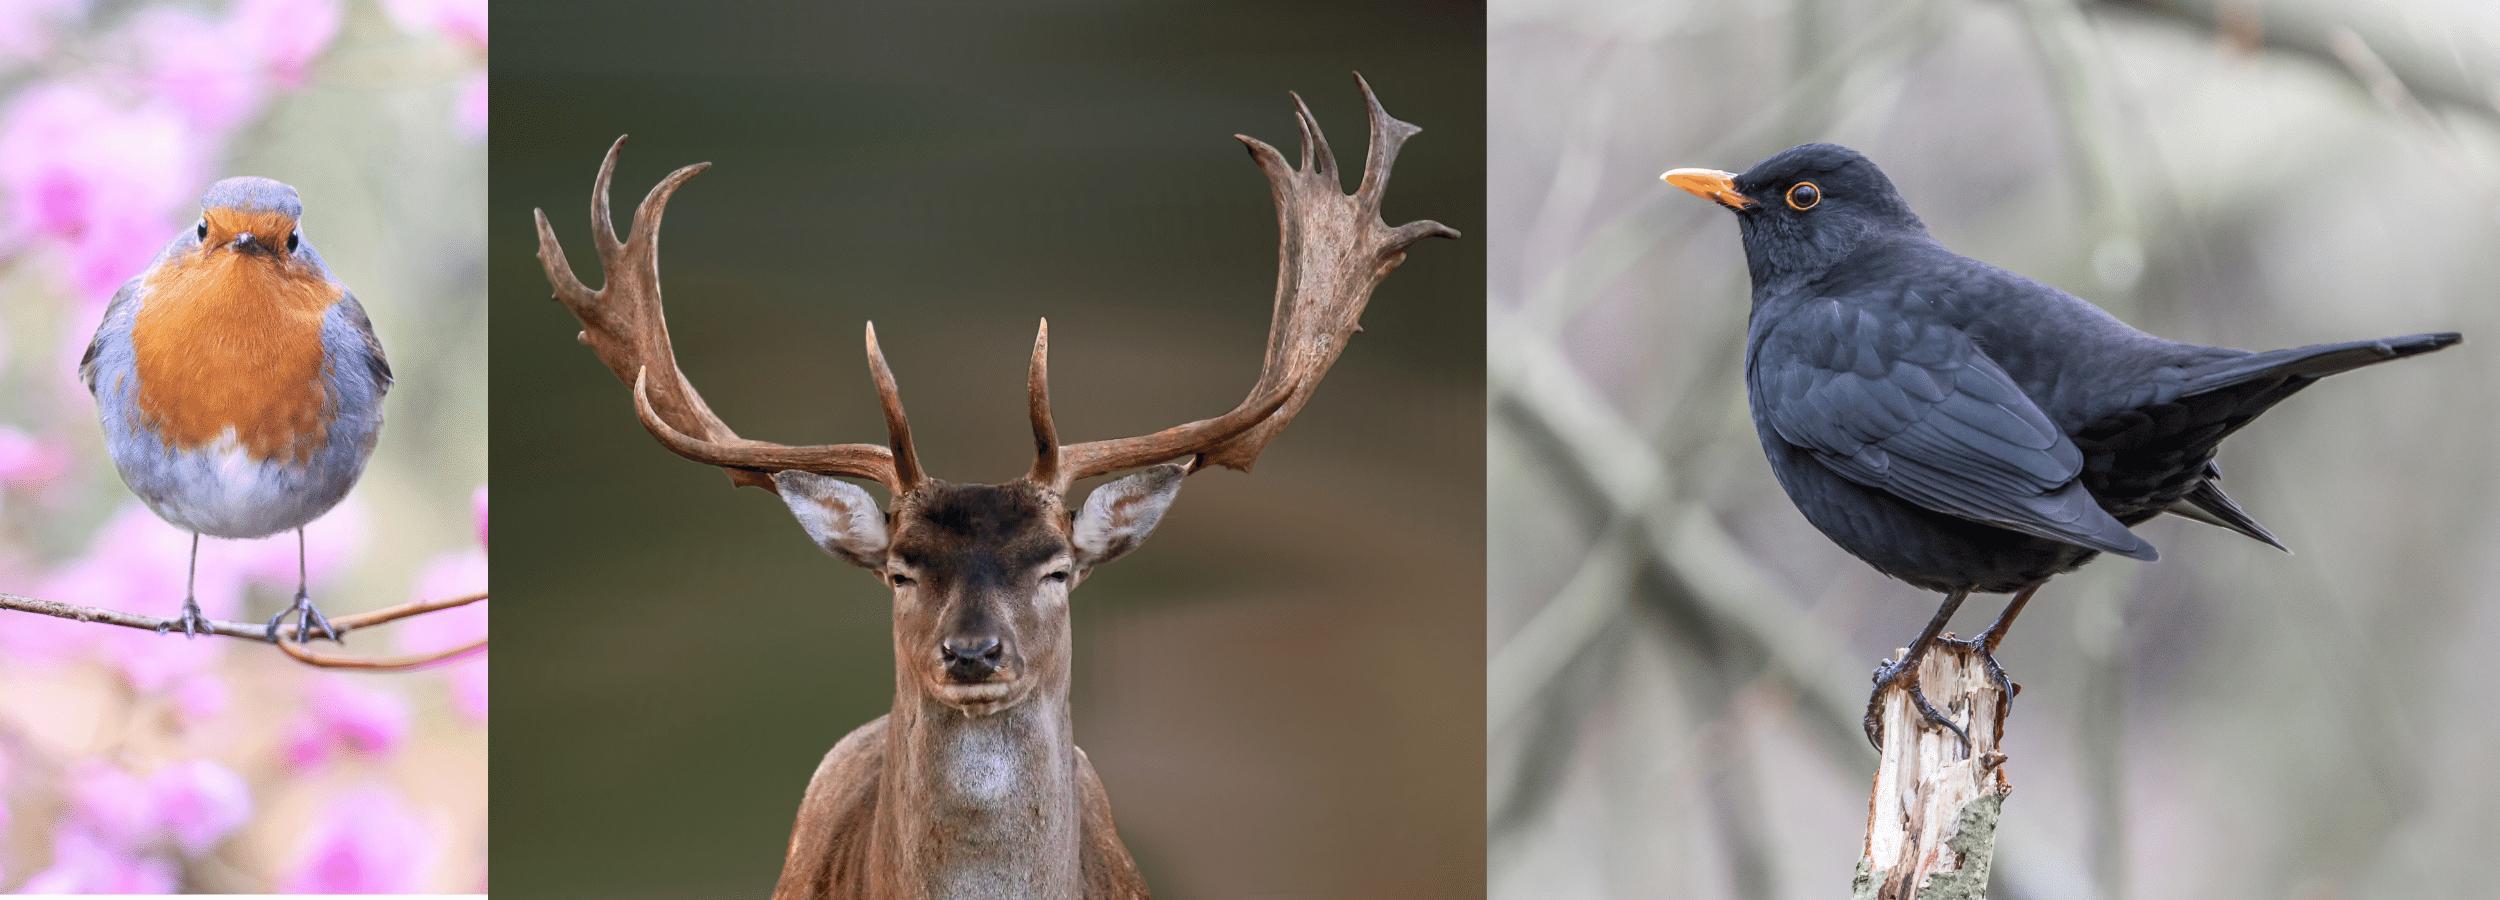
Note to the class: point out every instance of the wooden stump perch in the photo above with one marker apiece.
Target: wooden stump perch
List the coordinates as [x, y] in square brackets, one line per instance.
[1931, 819]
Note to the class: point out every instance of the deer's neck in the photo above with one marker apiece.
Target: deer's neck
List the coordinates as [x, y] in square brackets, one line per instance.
[983, 807]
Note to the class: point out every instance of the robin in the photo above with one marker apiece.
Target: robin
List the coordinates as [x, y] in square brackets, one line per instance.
[1963, 428]
[239, 383]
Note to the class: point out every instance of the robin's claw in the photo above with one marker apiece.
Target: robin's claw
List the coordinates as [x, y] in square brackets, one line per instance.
[191, 622]
[307, 619]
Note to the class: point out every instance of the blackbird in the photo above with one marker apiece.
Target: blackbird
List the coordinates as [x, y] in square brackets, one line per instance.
[1963, 428]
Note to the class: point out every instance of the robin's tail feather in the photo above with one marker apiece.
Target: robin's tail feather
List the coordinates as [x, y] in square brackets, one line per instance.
[2301, 365]
[2208, 504]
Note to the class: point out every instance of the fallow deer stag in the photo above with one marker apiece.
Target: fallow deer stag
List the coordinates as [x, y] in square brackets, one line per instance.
[972, 786]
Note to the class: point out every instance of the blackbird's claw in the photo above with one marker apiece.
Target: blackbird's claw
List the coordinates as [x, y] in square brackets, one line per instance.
[1886, 675]
[191, 622]
[1980, 643]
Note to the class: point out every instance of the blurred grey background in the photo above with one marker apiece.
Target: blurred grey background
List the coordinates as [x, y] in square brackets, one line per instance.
[1678, 660]
[1282, 690]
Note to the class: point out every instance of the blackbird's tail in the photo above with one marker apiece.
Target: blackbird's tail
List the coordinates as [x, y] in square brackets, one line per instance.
[2297, 367]
[2208, 504]
[2227, 393]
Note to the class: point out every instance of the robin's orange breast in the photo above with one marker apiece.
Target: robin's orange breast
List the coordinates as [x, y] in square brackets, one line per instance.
[230, 341]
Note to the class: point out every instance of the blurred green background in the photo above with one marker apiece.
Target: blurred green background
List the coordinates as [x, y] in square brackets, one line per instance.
[1282, 691]
[1679, 661]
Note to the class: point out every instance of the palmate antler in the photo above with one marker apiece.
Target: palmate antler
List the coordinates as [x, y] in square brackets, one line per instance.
[1333, 250]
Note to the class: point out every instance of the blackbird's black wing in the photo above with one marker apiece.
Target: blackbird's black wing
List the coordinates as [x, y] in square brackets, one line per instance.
[1907, 405]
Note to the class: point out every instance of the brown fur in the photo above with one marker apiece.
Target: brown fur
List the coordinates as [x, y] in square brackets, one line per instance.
[835, 851]
[233, 340]
[931, 801]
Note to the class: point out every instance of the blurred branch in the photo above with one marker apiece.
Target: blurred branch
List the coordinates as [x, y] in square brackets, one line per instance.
[1538, 391]
[2442, 76]
[1612, 247]
[343, 625]
[1931, 818]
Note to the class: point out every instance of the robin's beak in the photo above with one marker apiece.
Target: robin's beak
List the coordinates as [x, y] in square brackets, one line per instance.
[1708, 184]
[245, 243]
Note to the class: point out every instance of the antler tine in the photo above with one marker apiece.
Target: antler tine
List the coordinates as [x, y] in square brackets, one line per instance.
[603, 220]
[624, 325]
[1332, 250]
[907, 471]
[1314, 141]
[1388, 135]
[1037, 397]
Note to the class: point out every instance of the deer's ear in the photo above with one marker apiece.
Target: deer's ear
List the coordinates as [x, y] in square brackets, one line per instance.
[1118, 516]
[838, 515]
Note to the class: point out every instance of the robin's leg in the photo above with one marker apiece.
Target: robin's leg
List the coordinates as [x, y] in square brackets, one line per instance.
[306, 617]
[1986, 641]
[191, 623]
[1892, 672]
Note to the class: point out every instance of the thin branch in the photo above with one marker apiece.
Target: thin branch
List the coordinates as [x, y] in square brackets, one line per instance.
[258, 632]
[406, 662]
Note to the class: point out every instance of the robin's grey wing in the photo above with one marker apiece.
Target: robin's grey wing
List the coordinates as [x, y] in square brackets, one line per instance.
[114, 329]
[359, 332]
[1913, 408]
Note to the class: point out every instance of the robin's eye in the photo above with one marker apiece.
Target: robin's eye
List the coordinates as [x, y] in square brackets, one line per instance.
[201, 229]
[1803, 196]
[292, 241]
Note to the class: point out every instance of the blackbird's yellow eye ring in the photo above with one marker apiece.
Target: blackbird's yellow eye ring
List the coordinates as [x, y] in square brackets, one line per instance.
[1804, 195]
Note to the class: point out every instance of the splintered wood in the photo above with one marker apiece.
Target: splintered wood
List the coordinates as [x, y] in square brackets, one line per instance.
[1932, 816]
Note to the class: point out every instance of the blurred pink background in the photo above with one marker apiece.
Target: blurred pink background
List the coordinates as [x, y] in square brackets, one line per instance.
[132, 762]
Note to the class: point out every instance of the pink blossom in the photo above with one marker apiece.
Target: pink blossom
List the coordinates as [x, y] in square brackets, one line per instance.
[200, 803]
[111, 804]
[194, 65]
[344, 714]
[95, 179]
[201, 698]
[27, 461]
[367, 841]
[455, 575]
[330, 543]
[480, 502]
[82, 863]
[285, 35]
[137, 562]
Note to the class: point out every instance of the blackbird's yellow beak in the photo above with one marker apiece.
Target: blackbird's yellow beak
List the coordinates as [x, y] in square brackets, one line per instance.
[1708, 184]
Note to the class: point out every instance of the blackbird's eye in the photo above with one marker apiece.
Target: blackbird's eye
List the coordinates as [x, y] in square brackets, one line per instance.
[1803, 196]
[201, 229]
[292, 241]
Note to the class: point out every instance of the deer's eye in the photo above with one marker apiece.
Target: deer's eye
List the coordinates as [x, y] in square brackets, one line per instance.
[1056, 576]
[899, 579]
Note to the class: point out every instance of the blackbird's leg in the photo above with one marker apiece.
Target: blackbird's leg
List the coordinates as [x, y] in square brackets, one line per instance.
[1986, 641]
[306, 617]
[1894, 671]
[191, 623]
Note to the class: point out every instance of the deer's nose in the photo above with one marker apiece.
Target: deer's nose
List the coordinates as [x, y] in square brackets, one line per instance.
[971, 657]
